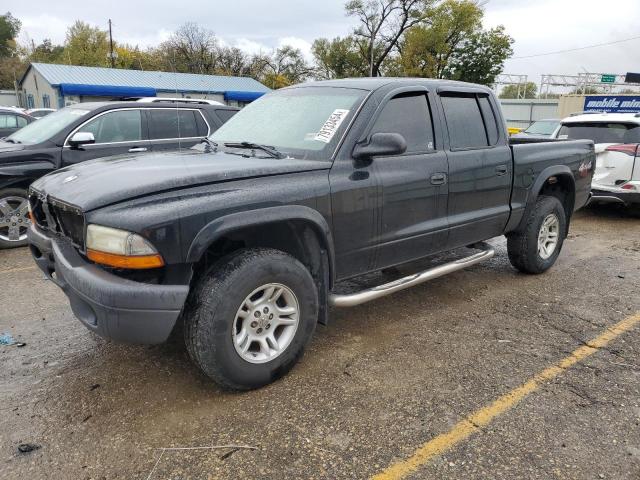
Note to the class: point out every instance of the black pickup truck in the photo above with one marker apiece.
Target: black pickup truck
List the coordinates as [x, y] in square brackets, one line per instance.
[243, 242]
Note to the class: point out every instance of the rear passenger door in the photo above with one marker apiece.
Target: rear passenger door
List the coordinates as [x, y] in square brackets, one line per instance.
[174, 128]
[480, 167]
[116, 132]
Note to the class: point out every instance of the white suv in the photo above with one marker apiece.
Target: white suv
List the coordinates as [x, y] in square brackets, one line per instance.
[617, 139]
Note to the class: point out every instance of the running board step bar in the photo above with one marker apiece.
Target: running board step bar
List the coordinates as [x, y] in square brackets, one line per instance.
[353, 299]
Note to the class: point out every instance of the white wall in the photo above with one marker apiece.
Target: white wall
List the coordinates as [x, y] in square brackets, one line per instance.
[36, 85]
[8, 98]
[520, 113]
[218, 97]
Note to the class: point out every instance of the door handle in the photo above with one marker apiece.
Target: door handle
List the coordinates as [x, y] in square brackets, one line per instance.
[137, 149]
[501, 170]
[438, 179]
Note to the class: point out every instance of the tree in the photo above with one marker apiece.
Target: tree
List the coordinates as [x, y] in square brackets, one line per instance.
[47, 52]
[382, 24]
[190, 49]
[338, 58]
[86, 45]
[285, 66]
[528, 90]
[9, 29]
[480, 57]
[428, 49]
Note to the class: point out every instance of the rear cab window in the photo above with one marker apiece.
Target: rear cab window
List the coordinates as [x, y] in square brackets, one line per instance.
[601, 132]
[408, 115]
[471, 120]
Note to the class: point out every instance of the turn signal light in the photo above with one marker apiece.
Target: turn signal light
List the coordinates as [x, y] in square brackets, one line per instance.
[134, 262]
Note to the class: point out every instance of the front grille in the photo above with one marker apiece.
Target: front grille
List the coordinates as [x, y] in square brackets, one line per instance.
[58, 217]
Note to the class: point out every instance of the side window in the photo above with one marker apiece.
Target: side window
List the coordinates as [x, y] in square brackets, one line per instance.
[172, 124]
[22, 122]
[225, 115]
[8, 121]
[489, 119]
[409, 116]
[117, 126]
[464, 121]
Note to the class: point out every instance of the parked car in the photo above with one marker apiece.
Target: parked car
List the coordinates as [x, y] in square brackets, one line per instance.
[40, 112]
[91, 130]
[616, 137]
[539, 129]
[12, 120]
[246, 241]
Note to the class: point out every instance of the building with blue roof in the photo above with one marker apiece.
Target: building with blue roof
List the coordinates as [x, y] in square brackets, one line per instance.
[46, 85]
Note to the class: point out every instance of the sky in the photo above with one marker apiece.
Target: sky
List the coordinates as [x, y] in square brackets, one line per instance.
[539, 26]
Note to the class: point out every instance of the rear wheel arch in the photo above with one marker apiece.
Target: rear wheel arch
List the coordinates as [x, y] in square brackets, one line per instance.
[556, 181]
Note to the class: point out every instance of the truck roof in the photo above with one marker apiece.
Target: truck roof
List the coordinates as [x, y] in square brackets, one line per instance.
[374, 83]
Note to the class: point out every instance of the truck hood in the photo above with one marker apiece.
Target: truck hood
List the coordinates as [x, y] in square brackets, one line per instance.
[97, 183]
[10, 147]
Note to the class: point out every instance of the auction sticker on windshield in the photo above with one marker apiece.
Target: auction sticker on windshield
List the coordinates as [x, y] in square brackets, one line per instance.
[328, 130]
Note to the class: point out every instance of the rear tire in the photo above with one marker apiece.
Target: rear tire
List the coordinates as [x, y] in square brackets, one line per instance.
[536, 247]
[250, 317]
[14, 217]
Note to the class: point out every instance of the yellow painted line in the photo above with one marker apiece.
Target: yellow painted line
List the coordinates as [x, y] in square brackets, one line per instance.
[482, 417]
[22, 269]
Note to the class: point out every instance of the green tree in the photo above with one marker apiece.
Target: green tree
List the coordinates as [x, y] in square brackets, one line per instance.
[338, 58]
[9, 29]
[480, 57]
[285, 66]
[47, 52]
[428, 49]
[528, 90]
[86, 45]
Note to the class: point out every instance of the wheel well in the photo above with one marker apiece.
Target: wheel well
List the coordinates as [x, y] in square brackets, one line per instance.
[563, 188]
[299, 238]
[23, 184]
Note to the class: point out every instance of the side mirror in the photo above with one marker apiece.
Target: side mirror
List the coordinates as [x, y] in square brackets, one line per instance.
[381, 144]
[81, 138]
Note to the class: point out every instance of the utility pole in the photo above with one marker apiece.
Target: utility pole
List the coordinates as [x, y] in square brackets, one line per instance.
[111, 54]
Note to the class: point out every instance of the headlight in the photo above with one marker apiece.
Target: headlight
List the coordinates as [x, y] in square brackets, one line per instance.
[121, 249]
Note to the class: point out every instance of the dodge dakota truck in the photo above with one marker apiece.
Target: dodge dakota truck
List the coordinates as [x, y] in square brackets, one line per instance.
[242, 241]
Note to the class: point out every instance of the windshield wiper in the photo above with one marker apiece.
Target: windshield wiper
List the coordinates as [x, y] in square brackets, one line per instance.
[256, 146]
[10, 140]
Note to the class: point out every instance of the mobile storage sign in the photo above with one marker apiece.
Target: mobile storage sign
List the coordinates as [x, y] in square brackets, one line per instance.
[612, 103]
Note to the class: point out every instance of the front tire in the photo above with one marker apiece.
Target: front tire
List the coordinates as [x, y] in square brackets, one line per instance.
[250, 317]
[14, 217]
[536, 248]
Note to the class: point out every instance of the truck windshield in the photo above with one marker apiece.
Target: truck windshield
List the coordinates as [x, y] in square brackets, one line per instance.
[47, 127]
[603, 132]
[542, 127]
[303, 122]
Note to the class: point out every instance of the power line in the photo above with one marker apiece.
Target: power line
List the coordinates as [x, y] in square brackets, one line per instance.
[576, 49]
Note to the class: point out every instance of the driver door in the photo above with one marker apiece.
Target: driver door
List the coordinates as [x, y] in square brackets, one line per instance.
[116, 132]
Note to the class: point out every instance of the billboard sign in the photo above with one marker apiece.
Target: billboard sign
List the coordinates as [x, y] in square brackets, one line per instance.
[612, 103]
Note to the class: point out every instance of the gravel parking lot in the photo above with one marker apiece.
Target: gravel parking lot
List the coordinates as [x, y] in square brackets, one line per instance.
[375, 388]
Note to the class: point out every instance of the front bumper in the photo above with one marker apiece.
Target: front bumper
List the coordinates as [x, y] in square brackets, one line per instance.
[113, 307]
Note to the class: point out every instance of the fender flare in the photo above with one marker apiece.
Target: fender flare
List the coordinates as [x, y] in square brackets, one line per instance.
[235, 221]
[554, 170]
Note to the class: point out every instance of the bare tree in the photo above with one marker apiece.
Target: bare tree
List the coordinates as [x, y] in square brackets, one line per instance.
[191, 49]
[382, 25]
